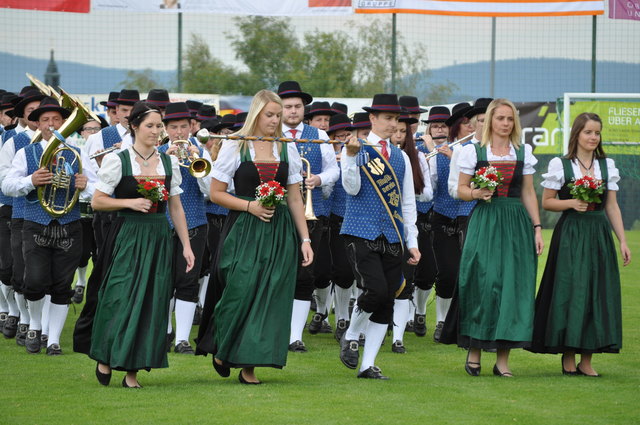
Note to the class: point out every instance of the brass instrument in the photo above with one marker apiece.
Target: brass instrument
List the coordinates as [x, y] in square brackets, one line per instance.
[203, 135]
[104, 152]
[457, 142]
[309, 214]
[198, 167]
[275, 139]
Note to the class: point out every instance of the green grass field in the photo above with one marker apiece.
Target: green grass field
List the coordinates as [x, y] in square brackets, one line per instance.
[428, 385]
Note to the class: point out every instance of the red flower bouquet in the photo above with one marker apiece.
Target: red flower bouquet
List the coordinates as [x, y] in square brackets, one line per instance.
[487, 177]
[153, 190]
[587, 189]
[270, 194]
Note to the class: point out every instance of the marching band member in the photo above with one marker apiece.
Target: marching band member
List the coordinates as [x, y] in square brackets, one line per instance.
[51, 246]
[339, 108]
[497, 279]
[177, 126]
[159, 98]
[110, 105]
[379, 219]
[250, 324]
[414, 110]
[324, 172]
[20, 123]
[578, 307]
[194, 107]
[129, 335]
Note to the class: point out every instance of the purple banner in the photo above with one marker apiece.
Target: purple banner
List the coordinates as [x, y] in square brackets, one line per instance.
[624, 9]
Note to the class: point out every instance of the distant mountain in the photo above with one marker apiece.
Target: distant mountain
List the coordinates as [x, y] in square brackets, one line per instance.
[533, 80]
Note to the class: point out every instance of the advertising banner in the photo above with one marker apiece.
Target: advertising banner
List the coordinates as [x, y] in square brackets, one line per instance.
[624, 9]
[77, 6]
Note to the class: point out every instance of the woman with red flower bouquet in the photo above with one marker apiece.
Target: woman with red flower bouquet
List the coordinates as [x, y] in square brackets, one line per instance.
[131, 316]
[497, 279]
[578, 304]
[248, 308]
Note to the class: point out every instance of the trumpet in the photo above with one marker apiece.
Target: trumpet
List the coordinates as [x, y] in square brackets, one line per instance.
[104, 152]
[198, 167]
[275, 139]
[309, 214]
[457, 142]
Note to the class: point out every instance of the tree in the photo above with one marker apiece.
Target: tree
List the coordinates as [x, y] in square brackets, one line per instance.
[143, 81]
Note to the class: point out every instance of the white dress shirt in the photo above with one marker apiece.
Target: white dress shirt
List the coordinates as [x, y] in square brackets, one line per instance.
[7, 153]
[454, 171]
[554, 177]
[330, 171]
[351, 184]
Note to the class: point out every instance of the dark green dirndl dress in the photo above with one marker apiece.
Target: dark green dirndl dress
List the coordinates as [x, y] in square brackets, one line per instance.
[255, 278]
[578, 306]
[497, 277]
[133, 303]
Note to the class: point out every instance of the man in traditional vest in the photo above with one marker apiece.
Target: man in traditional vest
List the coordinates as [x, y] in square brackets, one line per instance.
[379, 224]
[51, 246]
[324, 172]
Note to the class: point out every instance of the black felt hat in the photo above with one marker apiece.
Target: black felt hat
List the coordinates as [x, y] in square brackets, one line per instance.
[339, 122]
[407, 119]
[176, 111]
[361, 120]
[458, 112]
[210, 124]
[339, 108]
[8, 101]
[479, 107]
[127, 97]
[206, 112]
[48, 104]
[227, 121]
[292, 89]
[194, 106]
[158, 97]
[110, 103]
[411, 105]
[319, 108]
[438, 114]
[240, 119]
[27, 96]
[384, 103]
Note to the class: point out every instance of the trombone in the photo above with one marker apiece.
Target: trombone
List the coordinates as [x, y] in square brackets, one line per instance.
[457, 142]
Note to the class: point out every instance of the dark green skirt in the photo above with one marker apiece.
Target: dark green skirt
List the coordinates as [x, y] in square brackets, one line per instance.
[130, 325]
[497, 279]
[578, 306]
[258, 263]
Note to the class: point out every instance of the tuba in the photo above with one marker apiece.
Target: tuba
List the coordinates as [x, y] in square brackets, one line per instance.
[309, 214]
[198, 167]
[56, 197]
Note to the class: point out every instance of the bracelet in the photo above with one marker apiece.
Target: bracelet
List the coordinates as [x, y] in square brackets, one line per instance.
[248, 204]
[537, 225]
[306, 240]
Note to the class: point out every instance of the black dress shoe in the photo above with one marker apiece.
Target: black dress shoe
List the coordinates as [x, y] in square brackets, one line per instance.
[373, 372]
[221, 369]
[497, 372]
[244, 381]
[184, 347]
[297, 347]
[54, 350]
[32, 342]
[420, 324]
[125, 385]
[316, 323]
[21, 335]
[565, 371]
[341, 328]
[580, 372]
[3, 319]
[473, 371]
[349, 354]
[78, 294]
[103, 378]
[398, 347]
[10, 327]
[438, 331]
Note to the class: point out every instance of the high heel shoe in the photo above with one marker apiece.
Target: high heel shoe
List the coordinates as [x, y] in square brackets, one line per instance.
[221, 369]
[580, 372]
[497, 372]
[568, 372]
[125, 385]
[473, 371]
[244, 381]
[103, 378]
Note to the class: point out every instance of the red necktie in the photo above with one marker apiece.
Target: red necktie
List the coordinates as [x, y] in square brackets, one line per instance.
[385, 151]
[293, 132]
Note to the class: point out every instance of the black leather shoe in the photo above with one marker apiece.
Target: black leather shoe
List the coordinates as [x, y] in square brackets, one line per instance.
[373, 372]
[438, 331]
[78, 295]
[10, 327]
[54, 350]
[21, 335]
[325, 328]
[44, 341]
[103, 378]
[184, 347]
[222, 370]
[497, 372]
[316, 323]
[341, 328]
[398, 347]
[3, 319]
[125, 385]
[297, 347]
[473, 371]
[349, 354]
[409, 327]
[420, 324]
[244, 381]
[32, 342]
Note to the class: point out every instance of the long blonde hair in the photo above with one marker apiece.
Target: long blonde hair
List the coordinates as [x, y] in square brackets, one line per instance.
[260, 100]
[487, 131]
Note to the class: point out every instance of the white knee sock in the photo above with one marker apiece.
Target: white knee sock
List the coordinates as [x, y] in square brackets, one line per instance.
[45, 314]
[184, 319]
[421, 300]
[171, 304]
[442, 308]
[4, 306]
[35, 313]
[342, 303]
[24, 310]
[299, 316]
[412, 310]
[329, 303]
[400, 316]
[11, 301]
[203, 290]
[57, 317]
[375, 336]
[321, 295]
[358, 324]
[82, 277]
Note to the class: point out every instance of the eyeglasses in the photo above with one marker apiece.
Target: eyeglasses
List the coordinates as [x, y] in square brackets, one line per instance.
[91, 129]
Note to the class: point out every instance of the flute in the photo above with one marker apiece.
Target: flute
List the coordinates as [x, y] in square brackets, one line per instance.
[104, 152]
[457, 142]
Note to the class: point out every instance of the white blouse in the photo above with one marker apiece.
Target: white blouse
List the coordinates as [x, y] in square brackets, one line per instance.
[228, 161]
[468, 159]
[110, 172]
[554, 177]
